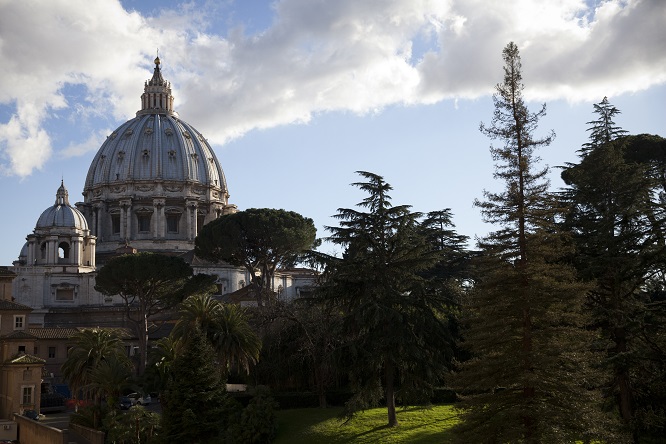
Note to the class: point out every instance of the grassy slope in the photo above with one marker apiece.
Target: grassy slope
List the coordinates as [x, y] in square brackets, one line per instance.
[323, 426]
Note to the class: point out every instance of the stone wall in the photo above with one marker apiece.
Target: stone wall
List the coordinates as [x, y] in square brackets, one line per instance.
[32, 432]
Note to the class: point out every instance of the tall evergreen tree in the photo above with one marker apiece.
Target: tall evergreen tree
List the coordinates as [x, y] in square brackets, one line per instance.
[616, 194]
[603, 129]
[451, 275]
[397, 333]
[195, 403]
[525, 381]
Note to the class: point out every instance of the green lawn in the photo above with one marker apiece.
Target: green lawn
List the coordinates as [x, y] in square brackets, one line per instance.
[323, 426]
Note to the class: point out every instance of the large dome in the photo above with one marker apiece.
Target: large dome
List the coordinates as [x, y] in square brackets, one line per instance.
[154, 181]
[156, 145]
[62, 214]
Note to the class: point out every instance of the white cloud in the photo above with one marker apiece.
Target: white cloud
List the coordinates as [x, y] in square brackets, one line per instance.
[315, 57]
[91, 144]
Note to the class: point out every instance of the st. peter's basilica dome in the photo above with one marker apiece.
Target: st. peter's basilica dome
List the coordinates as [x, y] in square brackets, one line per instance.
[155, 181]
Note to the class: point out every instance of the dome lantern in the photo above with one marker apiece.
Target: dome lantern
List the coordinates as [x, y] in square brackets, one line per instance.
[156, 97]
[62, 196]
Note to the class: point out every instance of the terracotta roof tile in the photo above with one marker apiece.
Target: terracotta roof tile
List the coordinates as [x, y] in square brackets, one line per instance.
[25, 359]
[68, 332]
[18, 334]
[15, 306]
[53, 333]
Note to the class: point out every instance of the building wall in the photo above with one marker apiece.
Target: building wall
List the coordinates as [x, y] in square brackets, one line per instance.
[14, 378]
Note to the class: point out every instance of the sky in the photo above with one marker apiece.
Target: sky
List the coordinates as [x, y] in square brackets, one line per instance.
[297, 95]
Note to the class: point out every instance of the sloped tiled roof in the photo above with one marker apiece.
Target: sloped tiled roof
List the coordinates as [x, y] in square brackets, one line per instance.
[123, 333]
[68, 332]
[18, 334]
[53, 333]
[25, 359]
[13, 306]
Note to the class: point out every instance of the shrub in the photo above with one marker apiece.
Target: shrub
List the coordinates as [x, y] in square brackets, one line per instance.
[257, 422]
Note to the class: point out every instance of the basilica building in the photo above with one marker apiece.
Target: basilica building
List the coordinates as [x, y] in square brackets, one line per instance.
[152, 185]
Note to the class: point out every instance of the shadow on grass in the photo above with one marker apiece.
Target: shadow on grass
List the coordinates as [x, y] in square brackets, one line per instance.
[416, 425]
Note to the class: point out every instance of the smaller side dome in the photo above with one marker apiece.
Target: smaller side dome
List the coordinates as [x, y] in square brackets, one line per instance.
[62, 214]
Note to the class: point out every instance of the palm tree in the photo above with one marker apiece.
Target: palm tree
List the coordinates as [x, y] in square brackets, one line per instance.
[91, 347]
[109, 378]
[225, 326]
[198, 311]
[236, 342]
[161, 360]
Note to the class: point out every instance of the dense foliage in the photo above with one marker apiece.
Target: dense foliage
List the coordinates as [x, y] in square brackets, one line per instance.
[618, 217]
[259, 239]
[256, 423]
[225, 326]
[97, 367]
[195, 403]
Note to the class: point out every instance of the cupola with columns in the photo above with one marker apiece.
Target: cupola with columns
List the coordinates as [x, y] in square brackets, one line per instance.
[155, 181]
[61, 237]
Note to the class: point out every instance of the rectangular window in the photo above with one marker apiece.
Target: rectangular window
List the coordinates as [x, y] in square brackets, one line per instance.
[27, 396]
[52, 352]
[35, 351]
[19, 322]
[144, 223]
[172, 223]
[64, 294]
[115, 223]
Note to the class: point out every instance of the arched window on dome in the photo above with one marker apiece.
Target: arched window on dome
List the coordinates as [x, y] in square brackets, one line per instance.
[42, 250]
[63, 252]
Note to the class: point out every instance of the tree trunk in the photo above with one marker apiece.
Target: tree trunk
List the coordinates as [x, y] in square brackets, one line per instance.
[321, 387]
[143, 342]
[622, 378]
[390, 394]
